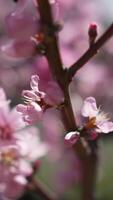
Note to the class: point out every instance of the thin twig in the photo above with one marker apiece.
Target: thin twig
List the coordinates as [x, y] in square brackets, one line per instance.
[90, 52]
[39, 189]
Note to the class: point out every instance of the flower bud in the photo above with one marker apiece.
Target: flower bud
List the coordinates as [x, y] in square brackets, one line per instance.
[92, 32]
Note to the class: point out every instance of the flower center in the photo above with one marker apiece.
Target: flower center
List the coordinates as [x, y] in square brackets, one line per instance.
[91, 123]
[7, 157]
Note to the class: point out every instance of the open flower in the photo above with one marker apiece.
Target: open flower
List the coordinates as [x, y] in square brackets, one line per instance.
[16, 161]
[37, 101]
[96, 119]
[96, 122]
[20, 147]
[34, 107]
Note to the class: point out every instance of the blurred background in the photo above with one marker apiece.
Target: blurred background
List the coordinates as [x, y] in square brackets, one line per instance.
[18, 61]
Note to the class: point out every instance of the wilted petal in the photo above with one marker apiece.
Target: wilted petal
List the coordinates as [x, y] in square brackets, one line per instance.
[72, 137]
[105, 127]
[89, 108]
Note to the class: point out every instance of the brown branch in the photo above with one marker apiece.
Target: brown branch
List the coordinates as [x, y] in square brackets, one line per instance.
[90, 52]
[39, 189]
[60, 75]
[54, 60]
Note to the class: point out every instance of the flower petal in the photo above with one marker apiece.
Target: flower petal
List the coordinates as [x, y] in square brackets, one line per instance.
[105, 127]
[89, 107]
[20, 179]
[34, 82]
[30, 95]
[72, 137]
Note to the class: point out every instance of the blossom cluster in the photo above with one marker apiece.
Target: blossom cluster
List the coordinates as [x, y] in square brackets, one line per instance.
[20, 147]
[37, 101]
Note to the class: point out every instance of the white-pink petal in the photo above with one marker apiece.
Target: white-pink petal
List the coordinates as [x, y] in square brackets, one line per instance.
[20, 179]
[34, 82]
[105, 127]
[89, 108]
[30, 95]
[72, 137]
[25, 167]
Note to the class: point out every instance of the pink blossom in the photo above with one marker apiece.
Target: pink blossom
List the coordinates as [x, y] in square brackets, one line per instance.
[37, 101]
[96, 118]
[47, 84]
[17, 48]
[96, 122]
[16, 160]
[19, 148]
[89, 108]
[33, 109]
[54, 94]
[22, 25]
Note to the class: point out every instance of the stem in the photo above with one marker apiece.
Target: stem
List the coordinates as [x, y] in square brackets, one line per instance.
[39, 189]
[60, 75]
[90, 52]
[89, 173]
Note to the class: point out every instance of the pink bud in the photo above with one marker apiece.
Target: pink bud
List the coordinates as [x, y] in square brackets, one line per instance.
[92, 32]
[72, 137]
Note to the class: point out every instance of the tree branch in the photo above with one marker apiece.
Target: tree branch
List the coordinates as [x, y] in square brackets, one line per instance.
[90, 53]
[60, 75]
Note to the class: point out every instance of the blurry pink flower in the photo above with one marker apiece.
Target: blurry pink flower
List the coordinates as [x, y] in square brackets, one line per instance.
[47, 84]
[54, 94]
[37, 101]
[96, 118]
[30, 113]
[30, 145]
[16, 160]
[17, 48]
[10, 121]
[19, 149]
[21, 25]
